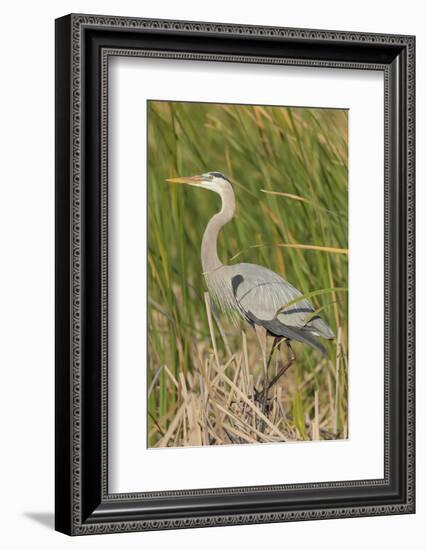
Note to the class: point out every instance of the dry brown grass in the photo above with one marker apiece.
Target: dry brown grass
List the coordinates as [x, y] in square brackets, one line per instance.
[216, 401]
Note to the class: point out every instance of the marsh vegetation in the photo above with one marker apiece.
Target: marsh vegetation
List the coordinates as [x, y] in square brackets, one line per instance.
[289, 169]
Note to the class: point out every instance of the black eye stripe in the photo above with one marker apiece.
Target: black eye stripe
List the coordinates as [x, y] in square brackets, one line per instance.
[218, 175]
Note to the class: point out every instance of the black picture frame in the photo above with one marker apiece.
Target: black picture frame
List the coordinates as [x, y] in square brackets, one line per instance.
[83, 46]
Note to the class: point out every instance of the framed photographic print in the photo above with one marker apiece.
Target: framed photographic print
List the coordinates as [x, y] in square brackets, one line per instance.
[234, 274]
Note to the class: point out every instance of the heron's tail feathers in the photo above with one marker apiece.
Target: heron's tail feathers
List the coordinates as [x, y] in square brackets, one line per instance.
[308, 338]
[320, 328]
[303, 335]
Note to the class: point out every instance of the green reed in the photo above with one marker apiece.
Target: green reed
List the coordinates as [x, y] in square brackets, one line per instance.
[289, 168]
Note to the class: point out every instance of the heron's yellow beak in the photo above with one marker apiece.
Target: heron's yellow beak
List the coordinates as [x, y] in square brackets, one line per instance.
[191, 180]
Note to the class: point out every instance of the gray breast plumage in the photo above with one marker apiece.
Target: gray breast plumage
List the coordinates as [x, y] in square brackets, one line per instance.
[259, 295]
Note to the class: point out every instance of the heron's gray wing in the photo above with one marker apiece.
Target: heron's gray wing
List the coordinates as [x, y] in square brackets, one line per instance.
[263, 294]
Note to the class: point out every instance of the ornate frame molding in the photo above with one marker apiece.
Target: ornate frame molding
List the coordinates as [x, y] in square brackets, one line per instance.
[76, 510]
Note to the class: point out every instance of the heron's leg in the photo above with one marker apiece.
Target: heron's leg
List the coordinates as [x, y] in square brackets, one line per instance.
[266, 384]
[259, 396]
[262, 396]
[290, 360]
[275, 345]
[261, 336]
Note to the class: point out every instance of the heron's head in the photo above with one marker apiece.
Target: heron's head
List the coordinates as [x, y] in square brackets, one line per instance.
[215, 181]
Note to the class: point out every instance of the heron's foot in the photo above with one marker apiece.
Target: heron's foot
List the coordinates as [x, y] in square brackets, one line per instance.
[257, 394]
[260, 395]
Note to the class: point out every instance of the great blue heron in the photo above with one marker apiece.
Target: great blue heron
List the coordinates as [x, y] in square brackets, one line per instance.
[252, 291]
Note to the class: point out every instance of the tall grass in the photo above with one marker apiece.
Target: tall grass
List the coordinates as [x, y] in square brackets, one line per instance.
[289, 171]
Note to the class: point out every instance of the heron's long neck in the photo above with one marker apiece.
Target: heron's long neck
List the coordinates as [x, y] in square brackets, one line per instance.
[209, 256]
